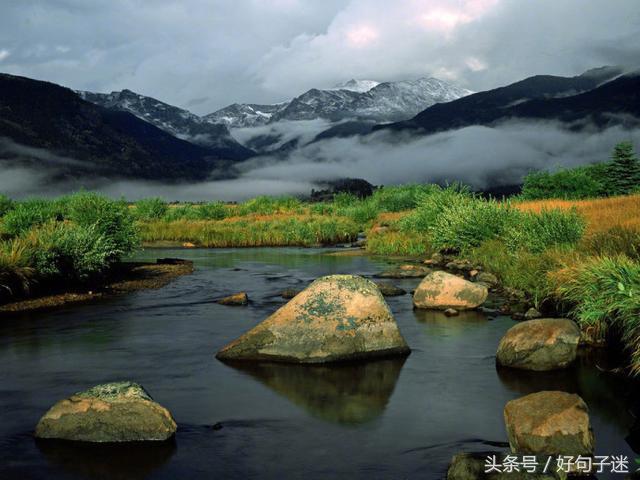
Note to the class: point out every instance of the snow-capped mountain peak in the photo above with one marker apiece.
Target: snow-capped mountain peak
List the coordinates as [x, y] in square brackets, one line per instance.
[354, 85]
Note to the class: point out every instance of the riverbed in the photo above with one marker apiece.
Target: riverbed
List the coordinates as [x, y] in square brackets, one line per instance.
[388, 419]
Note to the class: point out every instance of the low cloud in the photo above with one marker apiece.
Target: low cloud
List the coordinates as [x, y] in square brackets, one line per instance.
[479, 156]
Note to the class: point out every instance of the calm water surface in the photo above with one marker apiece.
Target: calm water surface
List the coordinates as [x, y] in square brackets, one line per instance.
[386, 419]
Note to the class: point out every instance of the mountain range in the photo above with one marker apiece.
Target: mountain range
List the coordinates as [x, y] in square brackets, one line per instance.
[127, 135]
[354, 100]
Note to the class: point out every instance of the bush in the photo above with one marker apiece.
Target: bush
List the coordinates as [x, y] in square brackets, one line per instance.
[536, 232]
[182, 212]
[399, 198]
[28, 214]
[110, 218]
[150, 209]
[213, 211]
[70, 251]
[430, 206]
[569, 184]
[466, 222]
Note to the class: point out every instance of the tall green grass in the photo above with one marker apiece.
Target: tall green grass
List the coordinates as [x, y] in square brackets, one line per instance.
[605, 293]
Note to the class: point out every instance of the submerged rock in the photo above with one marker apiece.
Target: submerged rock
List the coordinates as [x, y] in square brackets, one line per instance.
[237, 299]
[549, 422]
[390, 290]
[406, 271]
[442, 290]
[541, 344]
[112, 412]
[289, 293]
[338, 317]
[451, 312]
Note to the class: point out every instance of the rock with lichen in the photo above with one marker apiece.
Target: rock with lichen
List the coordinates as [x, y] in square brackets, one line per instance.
[237, 299]
[338, 317]
[111, 412]
[442, 291]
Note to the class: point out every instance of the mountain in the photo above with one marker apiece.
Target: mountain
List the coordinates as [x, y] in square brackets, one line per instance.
[51, 127]
[178, 122]
[240, 115]
[542, 97]
[365, 100]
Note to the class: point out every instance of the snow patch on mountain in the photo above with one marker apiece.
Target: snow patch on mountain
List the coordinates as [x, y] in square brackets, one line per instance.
[356, 85]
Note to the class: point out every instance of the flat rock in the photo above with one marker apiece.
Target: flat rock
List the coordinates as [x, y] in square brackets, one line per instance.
[338, 317]
[549, 422]
[442, 290]
[112, 412]
[541, 344]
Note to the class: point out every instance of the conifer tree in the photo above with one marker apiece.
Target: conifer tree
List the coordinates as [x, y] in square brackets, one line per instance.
[623, 172]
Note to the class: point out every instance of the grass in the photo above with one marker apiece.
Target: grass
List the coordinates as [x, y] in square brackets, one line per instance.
[254, 231]
[73, 239]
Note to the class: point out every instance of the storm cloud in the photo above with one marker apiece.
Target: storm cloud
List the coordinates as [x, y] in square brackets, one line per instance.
[205, 54]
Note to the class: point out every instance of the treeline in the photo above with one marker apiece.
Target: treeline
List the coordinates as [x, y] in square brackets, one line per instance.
[619, 176]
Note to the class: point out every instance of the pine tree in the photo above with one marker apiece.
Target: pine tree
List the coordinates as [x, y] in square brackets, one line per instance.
[623, 172]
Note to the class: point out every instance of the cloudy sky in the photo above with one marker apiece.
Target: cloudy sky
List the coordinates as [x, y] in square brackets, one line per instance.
[205, 54]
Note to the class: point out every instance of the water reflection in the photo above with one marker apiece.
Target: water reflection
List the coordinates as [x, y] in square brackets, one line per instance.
[350, 393]
[107, 461]
[454, 325]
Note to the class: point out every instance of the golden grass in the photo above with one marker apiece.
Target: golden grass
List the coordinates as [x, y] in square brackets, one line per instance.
[601, 214]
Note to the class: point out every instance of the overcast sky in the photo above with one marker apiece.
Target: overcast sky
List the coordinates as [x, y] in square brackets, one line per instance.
[205, 54]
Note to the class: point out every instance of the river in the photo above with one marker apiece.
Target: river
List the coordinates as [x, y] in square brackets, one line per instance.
[389, 419]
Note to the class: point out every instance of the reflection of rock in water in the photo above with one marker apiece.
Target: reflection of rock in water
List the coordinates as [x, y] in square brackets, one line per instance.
[460, 323]
[610, 396]
[112, 461]
[348, 393]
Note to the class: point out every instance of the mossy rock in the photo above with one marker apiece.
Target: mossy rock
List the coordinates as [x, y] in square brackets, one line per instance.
[338, 317]
[442, 290]
[112, 412]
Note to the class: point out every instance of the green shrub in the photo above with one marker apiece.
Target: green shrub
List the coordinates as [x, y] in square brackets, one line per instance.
[536, 232]
[150, 209]
[430, 206]
[6, 204]
[399, 198]
[213, 211]
[111, 218]
[28, 214]
[72, 252]
[466, 222]
[570, 184]
[182, 212]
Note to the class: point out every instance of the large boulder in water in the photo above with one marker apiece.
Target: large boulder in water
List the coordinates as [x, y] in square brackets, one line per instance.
[442, 290]
[112, 412]
[339, 317]
[549, 422]
[541, 344]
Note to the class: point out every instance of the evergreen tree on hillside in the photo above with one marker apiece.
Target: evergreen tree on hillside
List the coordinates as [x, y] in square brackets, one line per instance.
[623, 172]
